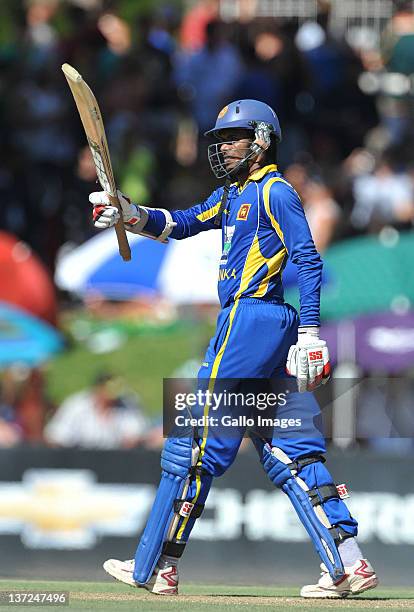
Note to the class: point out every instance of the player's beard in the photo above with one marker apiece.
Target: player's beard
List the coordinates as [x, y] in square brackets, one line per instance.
[238, 166]
[227, 165]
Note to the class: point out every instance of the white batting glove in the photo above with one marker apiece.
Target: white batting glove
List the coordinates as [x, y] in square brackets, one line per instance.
[106, 214]
[308, 360]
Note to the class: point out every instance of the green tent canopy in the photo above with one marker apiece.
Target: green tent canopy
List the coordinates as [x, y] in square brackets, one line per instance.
[366, 274]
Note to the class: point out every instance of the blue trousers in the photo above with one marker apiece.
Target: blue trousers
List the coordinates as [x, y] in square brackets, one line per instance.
[252, 341]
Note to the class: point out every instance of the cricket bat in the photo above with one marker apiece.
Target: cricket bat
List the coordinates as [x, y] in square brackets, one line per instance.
[95, 133]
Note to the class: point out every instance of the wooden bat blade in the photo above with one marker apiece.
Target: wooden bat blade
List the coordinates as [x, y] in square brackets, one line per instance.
[86, 102]
[92, 121]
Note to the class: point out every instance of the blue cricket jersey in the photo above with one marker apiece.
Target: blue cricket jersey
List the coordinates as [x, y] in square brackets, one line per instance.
[263, 225]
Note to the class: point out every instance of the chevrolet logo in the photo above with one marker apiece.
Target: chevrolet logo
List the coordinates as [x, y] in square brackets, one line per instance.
[68, 509]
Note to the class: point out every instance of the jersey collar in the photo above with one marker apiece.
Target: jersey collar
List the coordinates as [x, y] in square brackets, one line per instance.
[259, 174]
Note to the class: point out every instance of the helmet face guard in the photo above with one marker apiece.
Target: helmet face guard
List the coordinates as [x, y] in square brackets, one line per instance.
[218, 163]
[249, 115]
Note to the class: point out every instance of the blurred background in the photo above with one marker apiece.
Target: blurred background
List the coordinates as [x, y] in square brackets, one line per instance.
[86, 340]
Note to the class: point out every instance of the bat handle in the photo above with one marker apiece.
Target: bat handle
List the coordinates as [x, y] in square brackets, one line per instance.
[124, 248]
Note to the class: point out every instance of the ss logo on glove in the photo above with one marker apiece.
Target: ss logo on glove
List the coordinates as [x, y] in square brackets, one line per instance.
[308, 361]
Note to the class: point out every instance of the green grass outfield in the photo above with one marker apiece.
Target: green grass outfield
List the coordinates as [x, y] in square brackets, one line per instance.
[112, 596]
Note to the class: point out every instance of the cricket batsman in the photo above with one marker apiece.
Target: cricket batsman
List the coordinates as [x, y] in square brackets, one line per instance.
[258, 336]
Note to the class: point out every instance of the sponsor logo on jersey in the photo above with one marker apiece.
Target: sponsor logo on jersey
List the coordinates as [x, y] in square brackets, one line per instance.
[228, 237]
[243, 212]
[225, 274]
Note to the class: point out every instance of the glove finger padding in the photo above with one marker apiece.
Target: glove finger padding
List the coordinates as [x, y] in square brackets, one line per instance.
[105, 216]
[130, 212]
[318, 365]
[291, 361]
[308, 361]
[315, 360]
[327, 370]
[302, 369]
[99, 197]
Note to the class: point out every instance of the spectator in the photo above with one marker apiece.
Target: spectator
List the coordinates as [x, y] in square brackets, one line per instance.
[383, 197]
[159, 78]
[23, 406]
[395, 98]
[194, 24]
[9, 434]
[322, 211]
[10, 431]
[103, 417]
[398, 39]
[40, 39]
[209, 76]
[336, 113]
[32, 406]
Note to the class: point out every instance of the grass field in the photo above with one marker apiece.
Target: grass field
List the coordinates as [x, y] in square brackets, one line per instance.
[154, 354]
[112, 596]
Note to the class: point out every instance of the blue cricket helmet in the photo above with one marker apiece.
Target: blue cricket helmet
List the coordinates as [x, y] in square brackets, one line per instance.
[245, 114]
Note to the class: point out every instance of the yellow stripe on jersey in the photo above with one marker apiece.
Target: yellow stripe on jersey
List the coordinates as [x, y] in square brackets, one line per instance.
[214, 372]
[266, 198]
[210, 213]
[254, 261]
[274, 265]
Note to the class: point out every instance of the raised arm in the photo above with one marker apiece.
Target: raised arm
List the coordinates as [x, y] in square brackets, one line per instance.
[156, 223]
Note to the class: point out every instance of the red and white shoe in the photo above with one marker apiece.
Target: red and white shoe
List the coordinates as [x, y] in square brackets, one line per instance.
[162, 582]
[357, 579]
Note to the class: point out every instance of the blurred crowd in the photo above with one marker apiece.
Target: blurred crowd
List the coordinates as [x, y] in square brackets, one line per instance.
[162, 75]
[105, 415]
[108, 415]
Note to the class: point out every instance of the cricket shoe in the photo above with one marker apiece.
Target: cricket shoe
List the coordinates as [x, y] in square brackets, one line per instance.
[358, 578]
[162, 582]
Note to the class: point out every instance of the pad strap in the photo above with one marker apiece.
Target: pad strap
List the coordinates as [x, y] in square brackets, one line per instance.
[197, 470]
[296, 466]
[186, 508]
[174, 548]
[177, 457]
[339, 534]
[319, 495]
[282, 472]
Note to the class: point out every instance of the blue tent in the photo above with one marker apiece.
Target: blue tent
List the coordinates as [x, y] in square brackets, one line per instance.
[25, 339]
